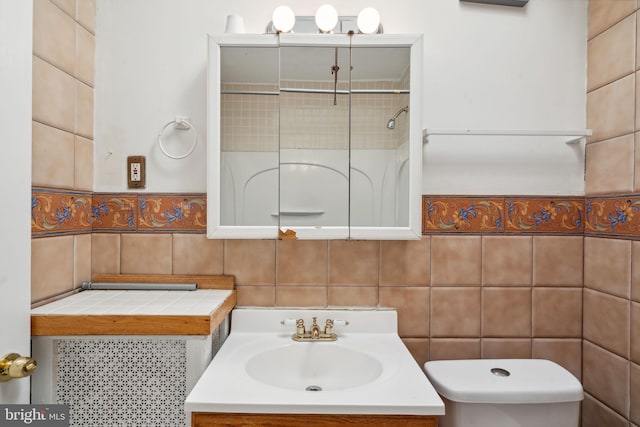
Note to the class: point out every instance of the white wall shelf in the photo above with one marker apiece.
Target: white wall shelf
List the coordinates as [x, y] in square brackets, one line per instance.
[575, 135]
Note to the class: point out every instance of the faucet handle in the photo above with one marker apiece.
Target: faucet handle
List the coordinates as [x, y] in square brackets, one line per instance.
[288, 322]
[340, 322]
[330, 323]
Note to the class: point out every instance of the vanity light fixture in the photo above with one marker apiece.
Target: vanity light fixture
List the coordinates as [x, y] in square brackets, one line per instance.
[369, 21]
[283, 19]
[326, 18]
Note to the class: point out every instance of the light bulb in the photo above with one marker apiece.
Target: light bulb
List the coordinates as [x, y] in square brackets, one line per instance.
[368, 20]
[326, 18]
[283, 19]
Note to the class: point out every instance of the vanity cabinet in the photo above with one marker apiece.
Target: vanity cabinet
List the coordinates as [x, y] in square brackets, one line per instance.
[315, 133]
[201, 419]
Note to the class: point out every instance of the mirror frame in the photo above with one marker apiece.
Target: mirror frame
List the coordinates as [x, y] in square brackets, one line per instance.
[217, 231]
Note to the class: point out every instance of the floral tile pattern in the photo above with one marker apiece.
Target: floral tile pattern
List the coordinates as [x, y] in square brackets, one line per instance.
[56, 212]
[544, 215]
[172, 212]
[450, 214]
[614, 216]
[114, 212]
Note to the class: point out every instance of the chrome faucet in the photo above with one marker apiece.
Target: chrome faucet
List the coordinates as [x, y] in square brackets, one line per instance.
[315, 333]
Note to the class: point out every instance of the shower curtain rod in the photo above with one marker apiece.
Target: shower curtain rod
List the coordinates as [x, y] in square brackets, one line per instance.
[302, 90]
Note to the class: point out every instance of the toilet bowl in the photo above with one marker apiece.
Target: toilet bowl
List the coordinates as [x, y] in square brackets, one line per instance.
[506, 393]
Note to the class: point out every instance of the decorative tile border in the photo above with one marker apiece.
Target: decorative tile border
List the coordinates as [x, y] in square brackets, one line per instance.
[56, 212]
[172, 212]
[60, 212]
[613, 216]
[495, 214]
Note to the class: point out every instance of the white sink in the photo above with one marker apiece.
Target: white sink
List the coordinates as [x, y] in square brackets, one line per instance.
[314, 366]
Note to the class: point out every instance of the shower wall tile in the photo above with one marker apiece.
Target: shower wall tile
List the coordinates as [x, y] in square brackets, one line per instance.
[605, 13]
[611, 109]
[606, 321]
[605, 376]
[53, 96]
[506, 312]
[105, 253]
[544, 215]
[608, 265]
[612, 54]
[557, 312]
[456, 260]
[610, 166]
[455, 312]
[454, 348]
[54, 35]
[558, 260]
[146, 254]
[405, 262]
[52, 157]
[595, 414]
[195, 254]
[507, 260]
[51, 266]
[512, 348]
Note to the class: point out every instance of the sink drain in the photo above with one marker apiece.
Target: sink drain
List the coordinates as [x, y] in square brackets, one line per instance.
[313, 388]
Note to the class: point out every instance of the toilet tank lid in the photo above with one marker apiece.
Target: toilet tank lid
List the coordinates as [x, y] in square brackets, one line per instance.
[503, 381]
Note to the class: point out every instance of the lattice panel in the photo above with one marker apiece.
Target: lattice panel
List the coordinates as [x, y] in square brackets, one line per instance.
[122, 382]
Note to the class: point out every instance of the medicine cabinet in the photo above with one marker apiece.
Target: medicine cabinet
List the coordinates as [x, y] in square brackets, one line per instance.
[315, 133]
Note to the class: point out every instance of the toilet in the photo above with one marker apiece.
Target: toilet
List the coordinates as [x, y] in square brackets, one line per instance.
[506, 393]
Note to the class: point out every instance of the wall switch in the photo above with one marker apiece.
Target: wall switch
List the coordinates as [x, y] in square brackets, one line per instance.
[136, 171]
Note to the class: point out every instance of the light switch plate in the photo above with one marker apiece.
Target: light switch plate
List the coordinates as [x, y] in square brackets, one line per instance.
[136, 171]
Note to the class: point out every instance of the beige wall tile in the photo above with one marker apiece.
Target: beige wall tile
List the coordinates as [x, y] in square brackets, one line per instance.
[146, 253]
[85, 55]
[557, 260]
[610, 166]
[412, 304]
[608, 265]
[605, 376]
[606, 321]
[405, 262]
[53, 96]
[54, 38]
[506, 312]
[635, 271]
[301, 296]
[419, 349]
[301, 262]
[636, 152]
[612, 54]
[195, 254]
[557, 312]
[635, 332]
[81, 259]
[253, 262]
[256, 296]
[595, 414]
[52, 157]
[84, 110]
[353, 262]
[455, 312]
[83, 161]
[454, 348]
[507, 260]
[86, 14]
[456, 260]
[565, 352]
[68, 6]
[105, 253]
[605, 13]
[353, 296]
[634, 393]
[611, 109]
[51, 266]
[505, 348]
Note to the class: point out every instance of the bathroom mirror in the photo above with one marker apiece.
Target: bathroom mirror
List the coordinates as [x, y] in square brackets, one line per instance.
[319, 134]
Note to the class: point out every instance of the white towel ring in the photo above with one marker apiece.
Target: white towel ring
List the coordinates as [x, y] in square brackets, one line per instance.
[181, 124]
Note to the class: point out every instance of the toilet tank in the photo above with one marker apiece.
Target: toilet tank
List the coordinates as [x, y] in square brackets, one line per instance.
[506, 393]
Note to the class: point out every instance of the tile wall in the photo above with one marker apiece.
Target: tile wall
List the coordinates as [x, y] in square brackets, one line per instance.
[63, 77]
[611, 327]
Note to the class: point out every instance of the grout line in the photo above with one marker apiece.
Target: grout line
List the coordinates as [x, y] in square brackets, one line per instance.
[613, 24]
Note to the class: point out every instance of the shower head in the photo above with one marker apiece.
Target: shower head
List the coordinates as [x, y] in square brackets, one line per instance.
[391, 124]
